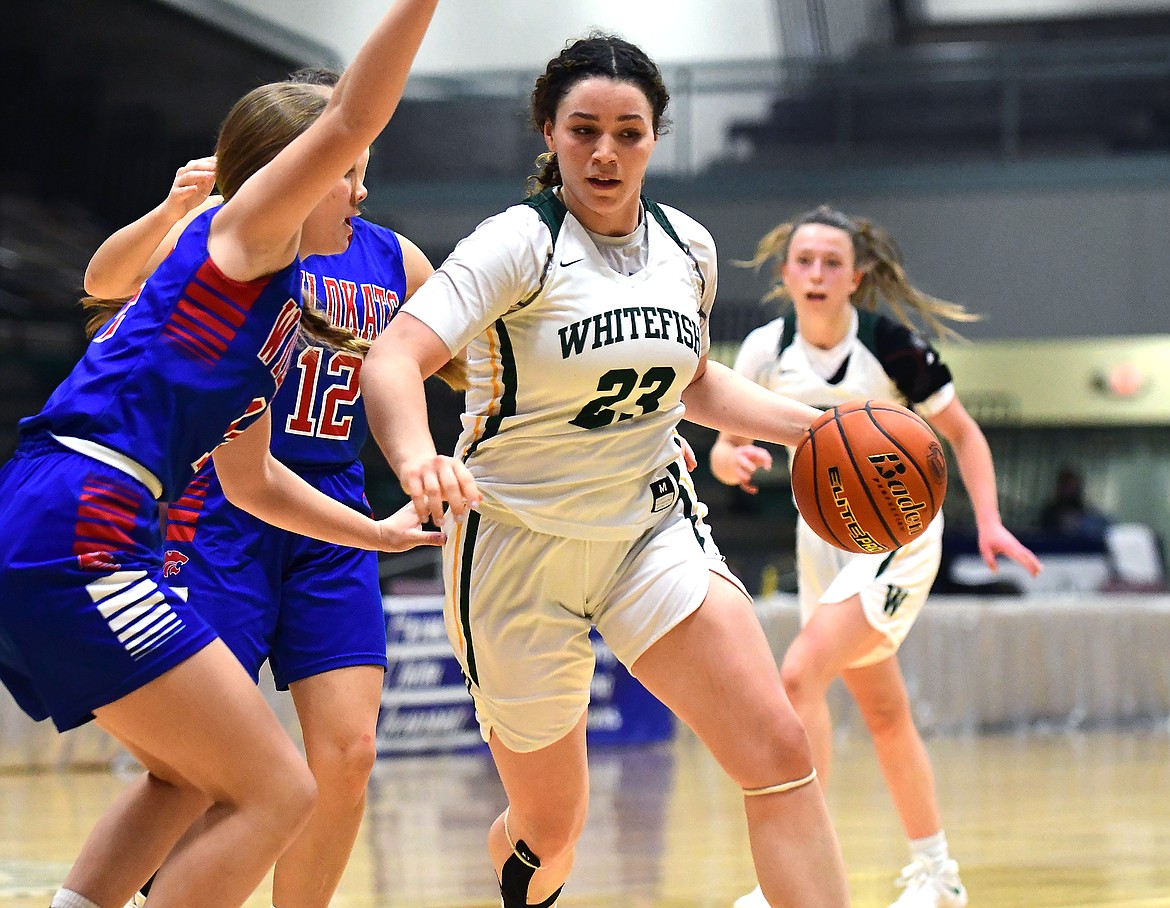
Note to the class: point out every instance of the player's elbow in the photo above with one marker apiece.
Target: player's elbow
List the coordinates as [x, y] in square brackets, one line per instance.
[101, 287]
[95, 286]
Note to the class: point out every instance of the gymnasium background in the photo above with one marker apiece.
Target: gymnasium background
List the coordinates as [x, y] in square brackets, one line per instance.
[1019, 151]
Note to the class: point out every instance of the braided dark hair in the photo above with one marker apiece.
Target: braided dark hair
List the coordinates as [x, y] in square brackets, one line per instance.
[595, 55]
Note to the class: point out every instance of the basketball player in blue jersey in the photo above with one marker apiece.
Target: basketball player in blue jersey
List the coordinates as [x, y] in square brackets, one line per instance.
[584, 317]
[314, 610]
[857, 609]
[89, 627]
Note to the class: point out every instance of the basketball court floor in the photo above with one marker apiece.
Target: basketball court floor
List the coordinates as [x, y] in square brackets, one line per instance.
[1066, 820]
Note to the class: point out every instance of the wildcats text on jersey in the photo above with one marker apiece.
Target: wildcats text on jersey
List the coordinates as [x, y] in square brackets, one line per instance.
[338, 299]
[629, 323]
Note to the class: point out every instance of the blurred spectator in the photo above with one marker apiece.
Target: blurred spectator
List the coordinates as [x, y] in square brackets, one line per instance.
[1067, 513]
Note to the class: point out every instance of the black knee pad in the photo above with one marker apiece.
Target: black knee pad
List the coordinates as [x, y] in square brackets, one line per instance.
[517, 874]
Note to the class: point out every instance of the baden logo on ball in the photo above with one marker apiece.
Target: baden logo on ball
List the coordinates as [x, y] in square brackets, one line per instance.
[869, 476]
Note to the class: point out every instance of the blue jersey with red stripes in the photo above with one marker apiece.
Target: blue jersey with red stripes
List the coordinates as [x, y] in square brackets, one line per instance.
[190, 362]
[317, 417]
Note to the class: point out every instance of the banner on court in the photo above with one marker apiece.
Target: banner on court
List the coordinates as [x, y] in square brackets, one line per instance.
[426, 707]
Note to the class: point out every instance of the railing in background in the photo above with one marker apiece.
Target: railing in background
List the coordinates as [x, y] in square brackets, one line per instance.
[964, 99]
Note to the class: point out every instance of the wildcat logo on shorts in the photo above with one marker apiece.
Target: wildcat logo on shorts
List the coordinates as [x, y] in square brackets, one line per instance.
[173, 562]
[664, 494]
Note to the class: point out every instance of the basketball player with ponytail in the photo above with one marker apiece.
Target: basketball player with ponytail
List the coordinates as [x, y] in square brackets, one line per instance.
[312, 609]
[90, 626]
[584, 315]
[857, 609]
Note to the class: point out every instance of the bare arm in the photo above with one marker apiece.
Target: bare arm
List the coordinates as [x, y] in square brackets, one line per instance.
[417, 266]
[722, 399]
[973, 455]
[392, 376]
[126, 259]
[257, 482]
[258, 229]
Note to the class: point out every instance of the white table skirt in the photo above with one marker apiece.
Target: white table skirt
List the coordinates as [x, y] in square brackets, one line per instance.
[971, 663]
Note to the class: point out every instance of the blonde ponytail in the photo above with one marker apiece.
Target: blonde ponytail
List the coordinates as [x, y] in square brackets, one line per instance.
[878, 257]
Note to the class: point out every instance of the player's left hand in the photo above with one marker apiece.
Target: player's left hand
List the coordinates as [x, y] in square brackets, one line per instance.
[690, 461]
[998, 540]
[403, 530]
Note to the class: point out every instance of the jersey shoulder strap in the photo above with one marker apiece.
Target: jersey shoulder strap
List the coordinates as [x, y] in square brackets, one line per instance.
[659, 215]
[867, 329]
[787, 333]
[551, 210]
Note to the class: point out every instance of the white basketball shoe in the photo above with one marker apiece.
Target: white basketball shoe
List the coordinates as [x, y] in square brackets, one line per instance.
[927, 886]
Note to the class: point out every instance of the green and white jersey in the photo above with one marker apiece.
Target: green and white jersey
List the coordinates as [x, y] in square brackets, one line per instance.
[576, 369]
[879, 359]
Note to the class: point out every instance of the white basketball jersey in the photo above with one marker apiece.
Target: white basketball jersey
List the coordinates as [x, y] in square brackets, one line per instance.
[879, 359]
[576, 370]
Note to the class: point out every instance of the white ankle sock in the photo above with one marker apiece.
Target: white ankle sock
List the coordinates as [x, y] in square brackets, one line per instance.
[67, 898]
[932, 848]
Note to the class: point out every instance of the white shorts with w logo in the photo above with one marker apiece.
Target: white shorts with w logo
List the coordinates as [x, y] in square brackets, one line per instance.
[892, 587]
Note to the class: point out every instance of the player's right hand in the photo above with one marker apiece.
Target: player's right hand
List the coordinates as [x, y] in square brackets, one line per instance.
[193, 184]
[403, 530]
[434, 480]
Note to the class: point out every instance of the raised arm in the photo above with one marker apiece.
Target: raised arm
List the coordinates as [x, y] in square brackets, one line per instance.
[126, 259]
[258, 229]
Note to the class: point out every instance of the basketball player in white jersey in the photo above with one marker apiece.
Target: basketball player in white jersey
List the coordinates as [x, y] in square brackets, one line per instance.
[584, 316]
[857, 609]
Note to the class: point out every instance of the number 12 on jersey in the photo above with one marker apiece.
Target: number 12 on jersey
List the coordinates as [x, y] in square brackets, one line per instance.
[327, 423]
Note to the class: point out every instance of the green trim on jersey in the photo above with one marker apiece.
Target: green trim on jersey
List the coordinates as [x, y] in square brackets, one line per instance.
[886, 563]
[465, 591]
[659, 215]
[689, 512]
[553, 211]
[787, 333]
[508, 397]
[867, 322]
[867, 330]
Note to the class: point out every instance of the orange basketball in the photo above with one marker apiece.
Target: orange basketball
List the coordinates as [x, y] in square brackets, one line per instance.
[869, 476]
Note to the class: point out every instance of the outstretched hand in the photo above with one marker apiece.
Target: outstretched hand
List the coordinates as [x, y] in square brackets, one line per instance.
[998, 540]
[403, 530]
[749, 459]
[192, 186]
[435, 480]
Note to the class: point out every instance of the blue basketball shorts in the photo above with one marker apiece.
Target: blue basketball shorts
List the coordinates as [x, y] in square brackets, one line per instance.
[86, 615]
[306, 606]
